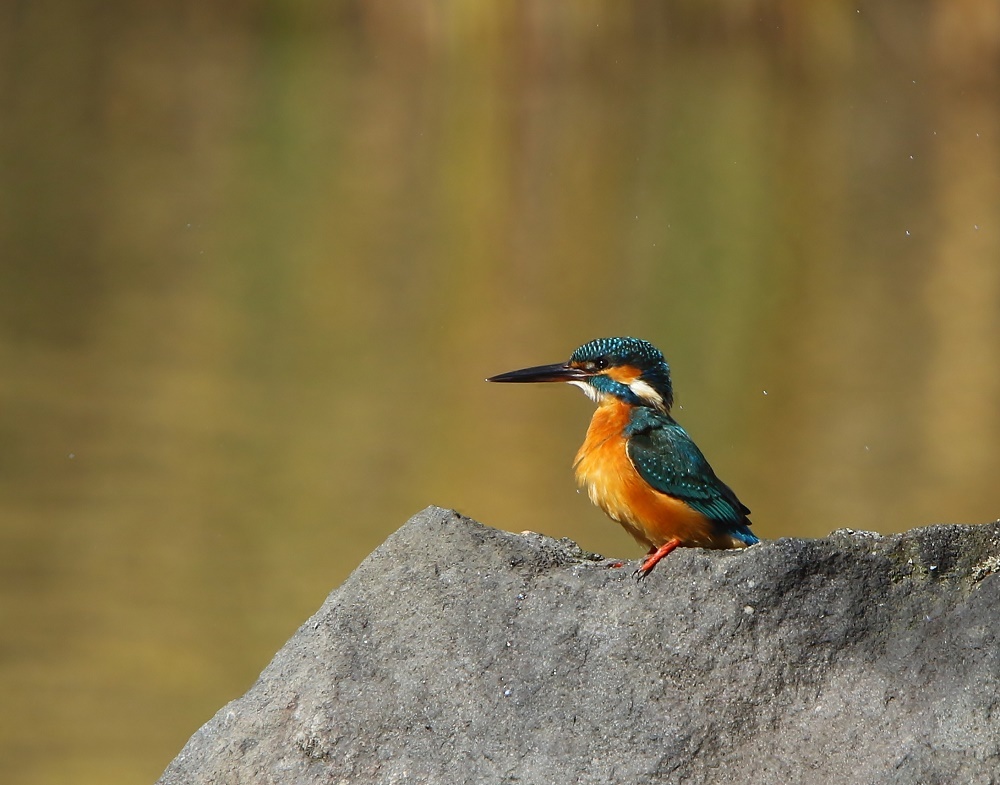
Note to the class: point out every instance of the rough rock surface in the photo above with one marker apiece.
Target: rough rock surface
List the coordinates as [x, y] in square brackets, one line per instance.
[460, 654]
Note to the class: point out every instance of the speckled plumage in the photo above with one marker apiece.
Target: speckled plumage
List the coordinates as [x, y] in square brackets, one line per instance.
[637, 463]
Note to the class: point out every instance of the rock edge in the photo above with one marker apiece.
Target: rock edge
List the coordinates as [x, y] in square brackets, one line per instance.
[459, 653]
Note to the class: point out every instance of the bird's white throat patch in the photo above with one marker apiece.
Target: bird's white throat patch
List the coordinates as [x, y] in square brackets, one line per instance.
[642, 389]
[591, 392]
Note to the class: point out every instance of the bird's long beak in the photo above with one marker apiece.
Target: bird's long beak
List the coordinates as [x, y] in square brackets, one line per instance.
[558, 372]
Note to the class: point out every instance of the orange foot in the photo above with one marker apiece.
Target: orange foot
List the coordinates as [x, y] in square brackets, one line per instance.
[654, 556]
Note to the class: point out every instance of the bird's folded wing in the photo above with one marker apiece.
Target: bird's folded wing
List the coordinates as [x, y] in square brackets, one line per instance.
[666, 458]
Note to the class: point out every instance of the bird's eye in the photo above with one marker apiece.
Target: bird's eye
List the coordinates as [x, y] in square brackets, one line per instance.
[598, 364]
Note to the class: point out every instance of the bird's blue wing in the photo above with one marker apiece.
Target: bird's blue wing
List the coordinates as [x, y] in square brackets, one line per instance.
[668, 460]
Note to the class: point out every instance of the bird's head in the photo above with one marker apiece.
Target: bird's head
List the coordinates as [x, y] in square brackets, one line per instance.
[628, 369]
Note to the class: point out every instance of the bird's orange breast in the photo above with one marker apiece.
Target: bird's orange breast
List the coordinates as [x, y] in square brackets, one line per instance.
[653, 518]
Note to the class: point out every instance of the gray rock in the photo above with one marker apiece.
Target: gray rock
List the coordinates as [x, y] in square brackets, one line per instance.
[460, 654]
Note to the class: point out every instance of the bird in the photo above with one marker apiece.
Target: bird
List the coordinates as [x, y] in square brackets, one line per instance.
[636, 462]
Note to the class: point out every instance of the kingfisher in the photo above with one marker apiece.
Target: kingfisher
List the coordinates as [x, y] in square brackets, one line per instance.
[637, 463]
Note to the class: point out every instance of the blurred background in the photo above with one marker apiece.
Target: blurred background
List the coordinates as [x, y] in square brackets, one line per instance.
[256, 261]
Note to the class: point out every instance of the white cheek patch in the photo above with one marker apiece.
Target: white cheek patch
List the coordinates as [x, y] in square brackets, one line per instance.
[594, 394]
[644, 391]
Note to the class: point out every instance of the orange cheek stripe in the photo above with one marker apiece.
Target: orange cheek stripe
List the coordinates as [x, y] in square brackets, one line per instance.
[623, 373]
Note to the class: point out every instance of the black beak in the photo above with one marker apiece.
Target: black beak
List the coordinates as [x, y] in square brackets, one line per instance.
[559, 372]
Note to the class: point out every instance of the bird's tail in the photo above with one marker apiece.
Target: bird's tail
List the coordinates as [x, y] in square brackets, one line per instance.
[744, 535]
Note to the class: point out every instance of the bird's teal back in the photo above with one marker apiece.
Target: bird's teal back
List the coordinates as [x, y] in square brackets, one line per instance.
[667, 458]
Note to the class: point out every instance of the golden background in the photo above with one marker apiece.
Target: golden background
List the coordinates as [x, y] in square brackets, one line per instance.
[255, 265]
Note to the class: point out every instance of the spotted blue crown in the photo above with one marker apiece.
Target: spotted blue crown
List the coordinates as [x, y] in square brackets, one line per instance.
[640, 354]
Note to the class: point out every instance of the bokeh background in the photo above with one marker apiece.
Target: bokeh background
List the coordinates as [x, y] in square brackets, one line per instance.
[256, 261]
